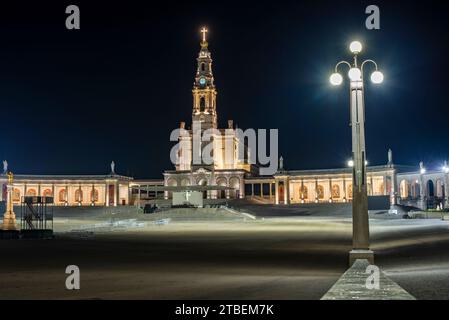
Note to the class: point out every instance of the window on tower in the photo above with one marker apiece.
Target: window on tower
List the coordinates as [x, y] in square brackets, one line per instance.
[203, 67]
[202, 104]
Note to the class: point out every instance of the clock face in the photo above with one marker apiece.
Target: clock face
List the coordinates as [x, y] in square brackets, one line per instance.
[202, 81]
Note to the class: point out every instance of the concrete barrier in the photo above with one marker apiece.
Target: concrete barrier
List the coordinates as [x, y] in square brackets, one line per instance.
[352, 286]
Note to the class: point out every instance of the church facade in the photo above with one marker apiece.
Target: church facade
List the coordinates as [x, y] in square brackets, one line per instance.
[229, 176]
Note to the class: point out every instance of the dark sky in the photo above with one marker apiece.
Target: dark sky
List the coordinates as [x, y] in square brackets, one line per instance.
[72, 101]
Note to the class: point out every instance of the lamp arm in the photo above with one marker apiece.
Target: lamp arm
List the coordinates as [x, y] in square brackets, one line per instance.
[340, 63]
[368, 61]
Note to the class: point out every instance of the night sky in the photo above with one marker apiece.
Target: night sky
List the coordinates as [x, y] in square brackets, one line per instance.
[73, 100]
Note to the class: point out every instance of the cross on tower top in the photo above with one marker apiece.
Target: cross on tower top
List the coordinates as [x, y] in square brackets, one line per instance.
[204, 32]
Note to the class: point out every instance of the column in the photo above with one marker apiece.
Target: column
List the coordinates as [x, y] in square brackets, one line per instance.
[138, 196]
[316, 190]
[9, 217]
[92, 195]
[345, 197]
[271, 192]
[242, 187]
[53, 192]
[276, 191]
[286, 192]
[330, 190]
[261, 190]
[106, 186]
[385, 185]
[116, 194]
[372, 185]
[394, 189]
[39, 190]
[66, 195]
[302, 191]
[422, 193]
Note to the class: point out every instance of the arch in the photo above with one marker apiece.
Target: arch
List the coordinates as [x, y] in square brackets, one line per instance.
[320, 192]
[404, 189]
[303, 193]
[203, 182]
[203, 67]
[281, 191]
[202, 104]
[31, 193]
[94, 195]
[415, 190]
[172, 182]
[234, 183]
[47, 193]
[79, 195]
[335, 191]
[222, 182]
[62, 195]
[185, 182]
[16, 195]
[430, 188]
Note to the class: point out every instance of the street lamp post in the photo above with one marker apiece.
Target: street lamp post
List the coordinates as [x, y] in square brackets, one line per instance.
[360, 219]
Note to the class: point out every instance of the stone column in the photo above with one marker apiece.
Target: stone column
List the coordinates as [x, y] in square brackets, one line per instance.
[345, 198]
[422, 193]
[138, 196]
[394, 188]
[286, 192]
[276, 192]
[116, 194]
[107, 194]
[302, 191]
[9, 217]
[316, 191]
[92, 195]
[330, 190]
[66, 195]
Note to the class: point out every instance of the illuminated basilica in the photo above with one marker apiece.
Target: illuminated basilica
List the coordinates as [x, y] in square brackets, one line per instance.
[235, 179]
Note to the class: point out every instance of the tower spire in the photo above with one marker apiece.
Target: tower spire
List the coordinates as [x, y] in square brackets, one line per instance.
[204, 92]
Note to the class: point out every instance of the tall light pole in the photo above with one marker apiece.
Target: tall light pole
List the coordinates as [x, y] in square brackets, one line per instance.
[360, 219]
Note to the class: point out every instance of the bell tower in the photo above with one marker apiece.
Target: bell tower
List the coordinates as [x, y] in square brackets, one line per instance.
[204, 93]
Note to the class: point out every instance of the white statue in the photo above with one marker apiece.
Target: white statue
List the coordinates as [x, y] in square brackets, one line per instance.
[390, 156]
[5, 166]
[113, 167]
[281, 163]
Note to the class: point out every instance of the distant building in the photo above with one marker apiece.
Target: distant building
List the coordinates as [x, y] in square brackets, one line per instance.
[403, 184]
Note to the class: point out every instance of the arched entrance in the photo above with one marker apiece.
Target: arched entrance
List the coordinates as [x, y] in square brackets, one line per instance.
[222, 183]
[404, 189]
[234, 183]
[281, 191]
[203, 182]
[430, 189]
